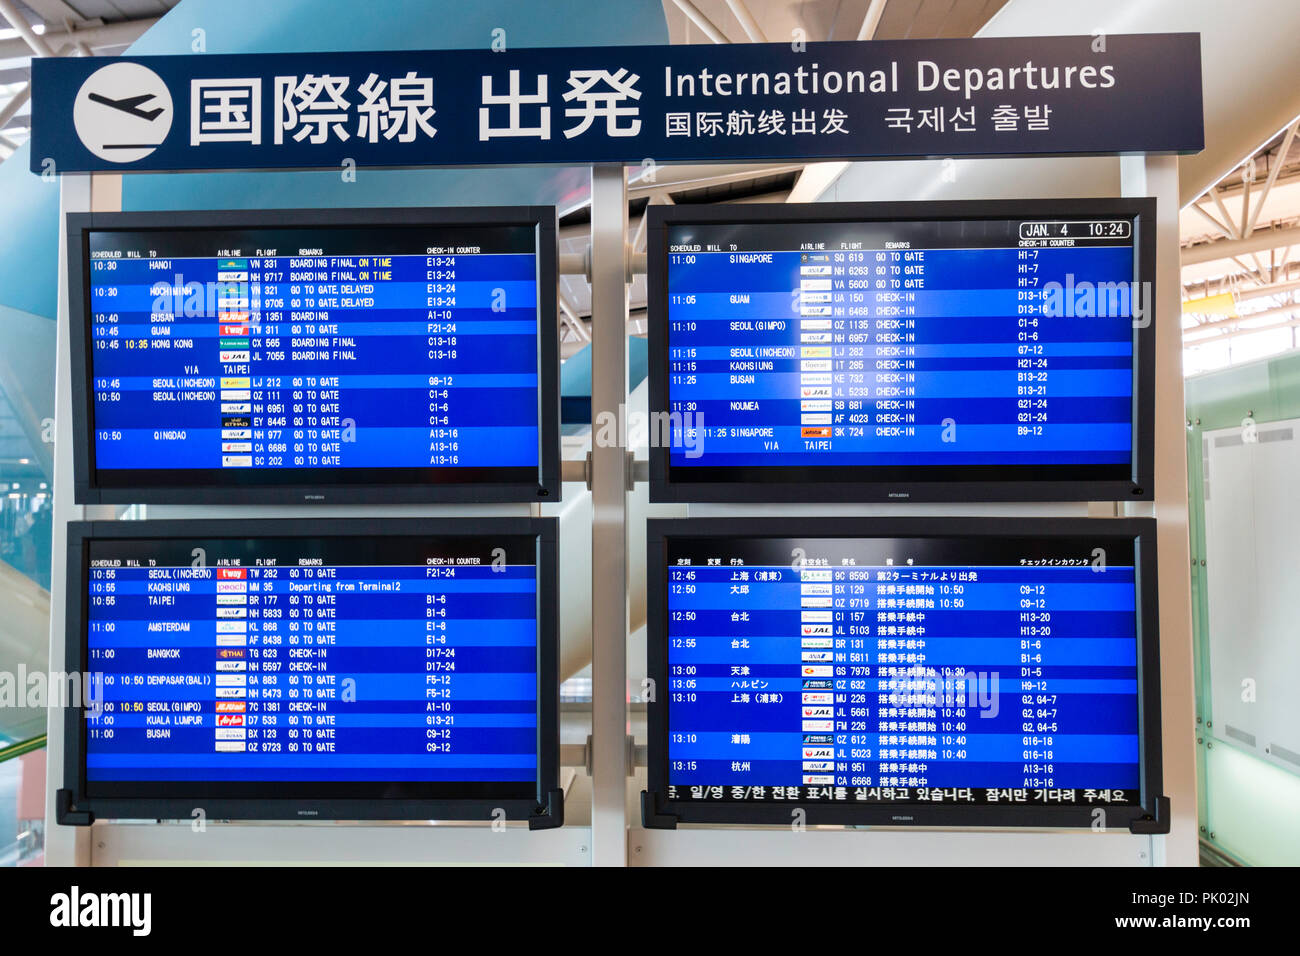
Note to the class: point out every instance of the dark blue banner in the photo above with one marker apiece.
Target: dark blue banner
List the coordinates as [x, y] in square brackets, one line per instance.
[633, 105]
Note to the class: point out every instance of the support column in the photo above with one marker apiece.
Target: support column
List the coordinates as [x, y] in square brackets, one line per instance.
[1158, 176]
[608, 517]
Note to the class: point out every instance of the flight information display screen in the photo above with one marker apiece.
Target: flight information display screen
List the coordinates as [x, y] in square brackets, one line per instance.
[900, 351]
[399, 664]
[897, 670]
[316, 356]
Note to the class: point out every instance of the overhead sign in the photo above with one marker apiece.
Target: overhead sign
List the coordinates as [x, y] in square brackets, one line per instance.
[635, 105]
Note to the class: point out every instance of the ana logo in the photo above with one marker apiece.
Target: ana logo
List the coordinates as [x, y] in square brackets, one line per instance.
[123, 112]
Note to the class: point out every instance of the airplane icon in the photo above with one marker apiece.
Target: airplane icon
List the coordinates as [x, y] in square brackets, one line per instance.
[129, 105]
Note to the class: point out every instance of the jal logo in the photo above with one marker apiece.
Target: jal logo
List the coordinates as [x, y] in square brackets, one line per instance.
[123, 112]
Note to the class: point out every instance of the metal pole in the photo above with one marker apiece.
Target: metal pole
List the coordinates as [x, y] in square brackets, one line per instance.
[608, 516]
[24, 29]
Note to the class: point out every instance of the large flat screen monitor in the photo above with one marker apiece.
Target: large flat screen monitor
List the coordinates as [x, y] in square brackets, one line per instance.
[288, 356]
[374, 669]
[904, 671]
[948, 351]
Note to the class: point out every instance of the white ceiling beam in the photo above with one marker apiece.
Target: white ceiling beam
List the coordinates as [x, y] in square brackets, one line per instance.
[1230, 248]
[700, 20]
[872, 20]
[19, 23]
[10, 109]
[122, 33]
[1272, 176]
[1227, 233]
[54, 11]
[747, 21]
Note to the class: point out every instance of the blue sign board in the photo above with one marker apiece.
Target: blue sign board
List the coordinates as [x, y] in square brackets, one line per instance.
[633, 105]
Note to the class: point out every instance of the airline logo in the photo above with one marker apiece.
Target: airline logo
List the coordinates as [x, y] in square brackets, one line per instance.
[232, 680]
[815, 365]
[815, 574]
[232, 275]
[228, 302]
[231, 706]
[815, 351]
[232, 574]
[814, 310]
[816, 432]
[231, 746]
[236, 434]
[818, 779]
[818, 685]
[814, 378]
[236, 421]
[817, 657]
[818, 753]
[815, 325]
[237, 383]
[815, 391]
[235, 343]
[815, 284]
[236, 446]
[815, 617]
[816, 725]
[813, 739]
[816, 643]
[229, 599]
[817, 712]
[231, 587]
[232, 612]
[809, 600]
[231, 653]
[815, 337]
[814, 418]
[814, 587]
[818, 697]
[231, 693]
[806, 270]
[814, 297]
[234, 355]
[816, 670]
[230, 720]
[815, 765]
[234, 733]
[236, 461]
[232, 666]
[237, 395]
[815, 630]
[236, 408]
[232, 627]
[232, 640]
[815, 405]
[228, 265]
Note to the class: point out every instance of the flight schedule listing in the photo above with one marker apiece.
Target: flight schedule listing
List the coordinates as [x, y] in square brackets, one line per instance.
[956, 346]
[902, 670]
[315, 661]
[319, 355]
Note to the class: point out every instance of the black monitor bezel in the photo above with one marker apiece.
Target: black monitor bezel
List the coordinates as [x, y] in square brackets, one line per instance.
[663, 812]
[266, 805]
[798, 483]
[88, 488]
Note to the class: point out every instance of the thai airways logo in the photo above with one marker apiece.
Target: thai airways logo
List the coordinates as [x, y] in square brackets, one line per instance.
[123, 112]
